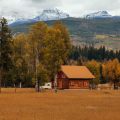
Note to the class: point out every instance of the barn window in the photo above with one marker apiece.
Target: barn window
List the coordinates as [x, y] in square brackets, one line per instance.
[80, 83]
[85, 83]
[72, 83]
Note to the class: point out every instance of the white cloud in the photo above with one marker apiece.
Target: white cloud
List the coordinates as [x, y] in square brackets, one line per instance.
[73, 7]
[80, 7]
[26, 8]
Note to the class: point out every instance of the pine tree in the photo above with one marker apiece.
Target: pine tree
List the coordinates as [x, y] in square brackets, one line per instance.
[5, 50]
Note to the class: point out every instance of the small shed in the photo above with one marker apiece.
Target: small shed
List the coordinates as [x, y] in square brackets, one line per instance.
[74, 77]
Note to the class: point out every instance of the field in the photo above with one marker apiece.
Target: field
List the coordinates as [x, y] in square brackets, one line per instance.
[26, 104]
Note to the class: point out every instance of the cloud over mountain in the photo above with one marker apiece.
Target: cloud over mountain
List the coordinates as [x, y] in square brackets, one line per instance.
[73, 7]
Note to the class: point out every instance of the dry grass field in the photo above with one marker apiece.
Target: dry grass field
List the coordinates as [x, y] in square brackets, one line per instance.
[26, 104]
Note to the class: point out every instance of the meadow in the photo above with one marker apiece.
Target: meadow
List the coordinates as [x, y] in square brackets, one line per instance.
[26, 104]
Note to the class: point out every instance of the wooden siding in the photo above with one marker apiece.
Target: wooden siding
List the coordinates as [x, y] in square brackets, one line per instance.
[78, 84]
[63, 84]
[72, 84]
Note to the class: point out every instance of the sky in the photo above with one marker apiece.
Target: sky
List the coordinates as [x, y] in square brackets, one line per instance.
[75, 8]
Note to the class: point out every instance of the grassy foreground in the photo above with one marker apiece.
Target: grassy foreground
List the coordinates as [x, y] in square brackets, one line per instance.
[26, 104]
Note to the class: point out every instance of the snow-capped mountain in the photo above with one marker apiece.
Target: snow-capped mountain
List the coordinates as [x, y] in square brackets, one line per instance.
[13, 16]
[99, 14]
[45, 15]
[12, 20]
[51, 14]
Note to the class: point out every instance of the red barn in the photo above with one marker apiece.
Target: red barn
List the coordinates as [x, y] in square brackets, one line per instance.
[74, 77]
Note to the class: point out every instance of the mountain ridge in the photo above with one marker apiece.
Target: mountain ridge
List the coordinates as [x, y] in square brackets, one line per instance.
[52, 14]
[99, 14]
[84, 31]
[45, 15]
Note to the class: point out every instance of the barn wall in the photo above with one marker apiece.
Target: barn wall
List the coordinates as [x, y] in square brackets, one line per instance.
[63, 83]
[78, 84]
[72, 84]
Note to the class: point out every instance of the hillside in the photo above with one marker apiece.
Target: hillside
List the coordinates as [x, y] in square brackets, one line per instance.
[86, 30]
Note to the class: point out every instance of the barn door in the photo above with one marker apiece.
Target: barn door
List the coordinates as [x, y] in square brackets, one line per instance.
[60, 84]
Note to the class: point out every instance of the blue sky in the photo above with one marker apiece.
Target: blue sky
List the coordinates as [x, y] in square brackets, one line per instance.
[73, 7]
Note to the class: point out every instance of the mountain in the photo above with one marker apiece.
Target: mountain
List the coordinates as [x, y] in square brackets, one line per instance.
[80, 27]
[99, 14]
[13, 16]
[51, 14]
[45, 15]
[105, 31]
[85, 31]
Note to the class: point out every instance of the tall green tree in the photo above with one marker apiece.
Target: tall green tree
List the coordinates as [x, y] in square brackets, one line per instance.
[6, 50]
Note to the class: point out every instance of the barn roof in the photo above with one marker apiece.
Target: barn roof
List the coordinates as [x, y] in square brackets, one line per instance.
[78, 72]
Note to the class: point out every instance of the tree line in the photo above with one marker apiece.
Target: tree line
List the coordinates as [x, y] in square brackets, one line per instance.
[105, 72]
[103, 63]
[32, 58]
[35, 57]
[90, 52]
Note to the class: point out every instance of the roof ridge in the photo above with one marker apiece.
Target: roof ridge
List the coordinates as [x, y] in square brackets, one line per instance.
[74, 71]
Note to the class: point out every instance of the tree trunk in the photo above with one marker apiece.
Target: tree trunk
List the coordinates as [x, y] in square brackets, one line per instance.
[1, 80]
[55, 83]
[38, 85]
[20, 85]
[115, 86]
[15, 87]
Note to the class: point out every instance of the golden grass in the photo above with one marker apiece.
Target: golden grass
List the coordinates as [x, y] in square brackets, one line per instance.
[26, 104]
